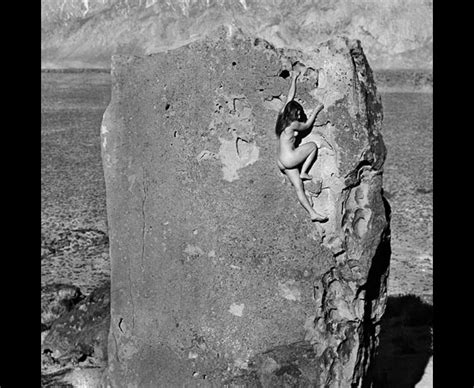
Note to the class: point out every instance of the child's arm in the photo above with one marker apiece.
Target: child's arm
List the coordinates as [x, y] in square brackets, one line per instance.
[292, 91]
[298, 126]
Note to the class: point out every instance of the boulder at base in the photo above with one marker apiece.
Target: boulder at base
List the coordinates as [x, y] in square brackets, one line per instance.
[218, 274]
[57, 299]
[81, 332]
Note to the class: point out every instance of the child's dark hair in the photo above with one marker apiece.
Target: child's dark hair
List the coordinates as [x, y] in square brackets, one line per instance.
[293, 112]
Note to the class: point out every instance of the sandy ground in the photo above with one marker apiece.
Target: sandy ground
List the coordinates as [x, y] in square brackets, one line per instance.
[73, 215]
[408, 184]
[74, 227]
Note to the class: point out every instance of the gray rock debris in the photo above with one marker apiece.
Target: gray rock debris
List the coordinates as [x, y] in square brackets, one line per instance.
[57, 299]
[81, 332]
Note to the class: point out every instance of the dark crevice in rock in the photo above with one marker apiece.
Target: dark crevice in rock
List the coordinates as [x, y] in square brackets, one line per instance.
[120, 325]
[352, 178]
[143, 206]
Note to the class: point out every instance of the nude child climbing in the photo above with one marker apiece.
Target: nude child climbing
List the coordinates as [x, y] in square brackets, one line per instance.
[291, 120]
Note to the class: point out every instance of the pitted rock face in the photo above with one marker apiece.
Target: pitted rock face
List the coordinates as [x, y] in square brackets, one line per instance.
[214, 262]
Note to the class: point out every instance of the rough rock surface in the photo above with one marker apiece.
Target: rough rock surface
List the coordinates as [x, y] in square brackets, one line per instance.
[218, 275]
[57, 299]
[82, 332]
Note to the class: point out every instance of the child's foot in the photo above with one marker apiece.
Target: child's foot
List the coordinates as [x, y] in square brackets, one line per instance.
[305, 176]
[316, 217]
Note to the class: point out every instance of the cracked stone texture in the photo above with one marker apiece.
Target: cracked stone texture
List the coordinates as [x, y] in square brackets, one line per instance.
[217, 273]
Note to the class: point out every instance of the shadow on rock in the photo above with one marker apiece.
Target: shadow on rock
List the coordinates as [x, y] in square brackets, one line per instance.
[405, 345]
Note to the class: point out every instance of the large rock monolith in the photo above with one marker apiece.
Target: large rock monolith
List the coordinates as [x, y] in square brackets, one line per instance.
[218, 275]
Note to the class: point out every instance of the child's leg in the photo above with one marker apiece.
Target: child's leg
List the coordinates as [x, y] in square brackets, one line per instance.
[294, 176]
[309, 160]
[299, 155]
